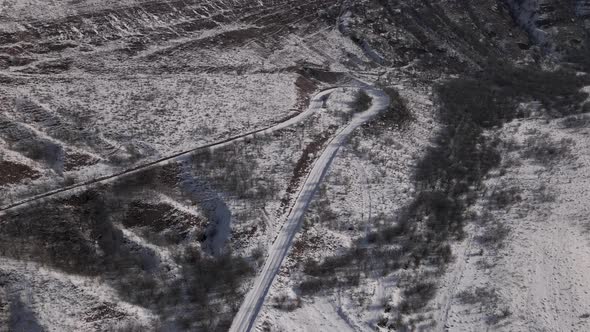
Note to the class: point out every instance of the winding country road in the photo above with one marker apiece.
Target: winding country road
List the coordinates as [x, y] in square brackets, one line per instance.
[248, 312]
[315, 104]
[246, 316]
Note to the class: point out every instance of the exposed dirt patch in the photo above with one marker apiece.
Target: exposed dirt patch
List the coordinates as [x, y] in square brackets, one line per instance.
[245, 233]
[63, 237]
[74, 161]
[324, 75]
[103, 311]
[162, 217]
[14, 173]
[168, 175]
[305, 87]
[144, 214]
[304, 245]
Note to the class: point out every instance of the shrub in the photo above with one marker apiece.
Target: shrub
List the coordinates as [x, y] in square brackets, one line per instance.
[362, 101]
[459, 160]
[543, 194]
[502, 198]
[286, 303]
[491, 99]
[546, 151]
[493, 235]
[480, 295]
[417, 296]
[398, 114]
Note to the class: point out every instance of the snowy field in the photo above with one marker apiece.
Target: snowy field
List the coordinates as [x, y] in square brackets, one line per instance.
[535, 277]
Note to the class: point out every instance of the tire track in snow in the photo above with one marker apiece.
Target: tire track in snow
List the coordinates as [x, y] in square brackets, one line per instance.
[248, 312]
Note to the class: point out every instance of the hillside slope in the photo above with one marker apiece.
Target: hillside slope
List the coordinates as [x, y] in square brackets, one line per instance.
[159, 148]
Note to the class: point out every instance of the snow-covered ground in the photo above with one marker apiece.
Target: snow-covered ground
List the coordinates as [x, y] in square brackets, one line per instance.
[110, 120]
[90, 89]
[188, 108]
[155, 80]
[537, 279]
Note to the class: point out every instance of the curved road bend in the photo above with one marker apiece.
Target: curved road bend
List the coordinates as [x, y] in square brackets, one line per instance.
[248, 312]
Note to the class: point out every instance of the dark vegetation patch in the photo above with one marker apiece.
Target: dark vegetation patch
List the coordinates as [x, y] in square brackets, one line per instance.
[135, 45]
[303, 245]
[490, 98]
[162, 179]
[55, 237]
[227, 39]
[494, 235]
[74, 161]
[305, 87]
[545, 151]
[232, 170]
[15, 172]
[397, 116]
[578, 57]
[168, 175]
[544, 194]
[487, 300]
[143, 180]
[196, 25]
[46, 47]
[415, 296]
[103, 311]
[325, 214]
[73, 131]
[78, 236]
[450, 38]
[204, 298]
